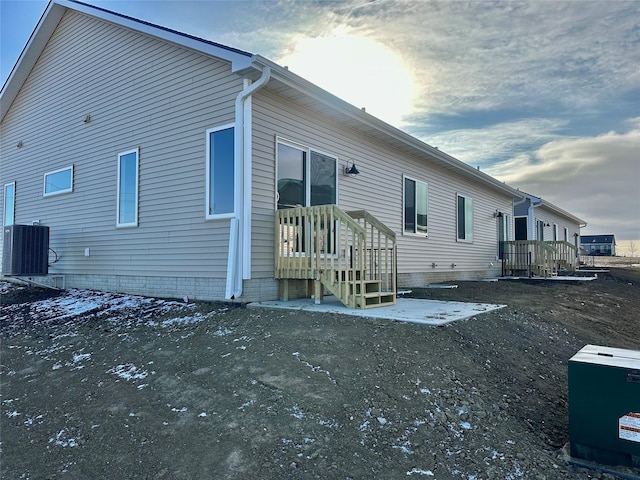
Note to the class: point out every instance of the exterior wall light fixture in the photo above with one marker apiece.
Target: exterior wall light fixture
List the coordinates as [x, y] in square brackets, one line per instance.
[350, 169]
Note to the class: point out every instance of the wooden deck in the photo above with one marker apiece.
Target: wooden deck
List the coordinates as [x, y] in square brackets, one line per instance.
[350, 254]
[536, 258]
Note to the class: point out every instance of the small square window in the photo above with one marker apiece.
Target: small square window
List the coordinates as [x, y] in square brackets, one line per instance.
[58, 181]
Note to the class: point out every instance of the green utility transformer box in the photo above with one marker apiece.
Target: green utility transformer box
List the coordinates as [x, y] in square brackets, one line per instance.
[604, 405]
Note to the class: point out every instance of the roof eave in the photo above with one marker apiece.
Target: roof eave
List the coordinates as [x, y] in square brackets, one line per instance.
[556, 209]
[308, 88]
[564, 213]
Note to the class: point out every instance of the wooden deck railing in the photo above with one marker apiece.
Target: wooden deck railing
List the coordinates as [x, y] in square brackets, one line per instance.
[565, 256]
[354, 257]
[380, 256]
[533, 257]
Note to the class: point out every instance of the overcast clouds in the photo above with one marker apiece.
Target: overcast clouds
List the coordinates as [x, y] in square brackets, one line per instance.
[543, 95]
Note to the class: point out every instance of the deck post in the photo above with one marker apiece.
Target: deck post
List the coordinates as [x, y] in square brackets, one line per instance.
[284, 289]
[318, 292]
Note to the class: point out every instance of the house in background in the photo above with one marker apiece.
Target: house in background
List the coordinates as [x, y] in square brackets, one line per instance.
[546, 238]
[538, 219]
[598, 245]
[168, 165]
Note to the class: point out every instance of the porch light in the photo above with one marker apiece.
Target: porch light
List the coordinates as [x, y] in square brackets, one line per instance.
[350, 169]
[498, 214]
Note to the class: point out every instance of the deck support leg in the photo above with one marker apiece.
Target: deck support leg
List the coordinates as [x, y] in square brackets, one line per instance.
[284, 289]
[317, 292]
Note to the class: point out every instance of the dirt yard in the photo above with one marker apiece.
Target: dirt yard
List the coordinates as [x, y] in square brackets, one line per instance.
[104, 386]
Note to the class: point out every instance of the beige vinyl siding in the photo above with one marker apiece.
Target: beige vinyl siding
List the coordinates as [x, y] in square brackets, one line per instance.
[547, 216]
[141, 93]
[378, 189]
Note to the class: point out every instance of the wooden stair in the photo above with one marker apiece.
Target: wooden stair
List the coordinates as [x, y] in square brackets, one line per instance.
[353, 289]
[350, 254]
[538, 258]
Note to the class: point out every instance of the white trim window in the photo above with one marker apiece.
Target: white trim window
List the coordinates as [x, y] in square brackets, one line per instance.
[566, 234]
[127, 200]
[58, 182]
[504, 232]
[464, 218]
[9, 203]
[540, 230]
[556, 232]
[304, 176]
[415, 203]
[220, 168]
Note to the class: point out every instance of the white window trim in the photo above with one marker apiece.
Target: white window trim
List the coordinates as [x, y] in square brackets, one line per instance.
[307, 169]
[289, 143]
[308, 172]
[407, 232]
[135, 222]
[4, 204]
[207, 215]
[506, 224]
[539, 229]
[556, 232]
[59, 192]
[466, 239]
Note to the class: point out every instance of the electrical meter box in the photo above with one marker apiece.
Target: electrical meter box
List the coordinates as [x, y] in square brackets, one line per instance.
[604, 405]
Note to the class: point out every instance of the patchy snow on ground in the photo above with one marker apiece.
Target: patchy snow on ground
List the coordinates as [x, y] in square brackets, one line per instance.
[76, 303]
[91, 376]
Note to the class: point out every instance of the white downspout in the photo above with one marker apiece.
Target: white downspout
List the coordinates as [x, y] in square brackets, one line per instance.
[532, 220]
[242, 190]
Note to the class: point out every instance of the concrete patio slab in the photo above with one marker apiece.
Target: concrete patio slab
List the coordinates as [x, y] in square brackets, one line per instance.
[425, 312]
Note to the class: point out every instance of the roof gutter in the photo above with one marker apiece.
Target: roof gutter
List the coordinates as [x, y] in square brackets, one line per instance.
[560, 211]
[298, 83]
[239, 265]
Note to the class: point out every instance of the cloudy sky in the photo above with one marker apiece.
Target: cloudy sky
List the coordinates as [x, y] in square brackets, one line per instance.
[544, 95]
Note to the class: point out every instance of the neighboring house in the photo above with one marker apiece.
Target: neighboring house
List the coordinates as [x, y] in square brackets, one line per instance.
[159, 160]
[598, 245]
[538, 219]
[546, 238]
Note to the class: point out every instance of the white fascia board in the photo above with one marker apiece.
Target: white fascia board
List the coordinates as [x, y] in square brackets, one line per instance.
[304, 86]
[238, 58]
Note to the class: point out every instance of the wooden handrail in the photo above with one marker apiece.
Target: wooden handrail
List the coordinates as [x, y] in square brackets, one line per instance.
[312, 238]
[368, 218]
[538, 257]
[353, 254]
